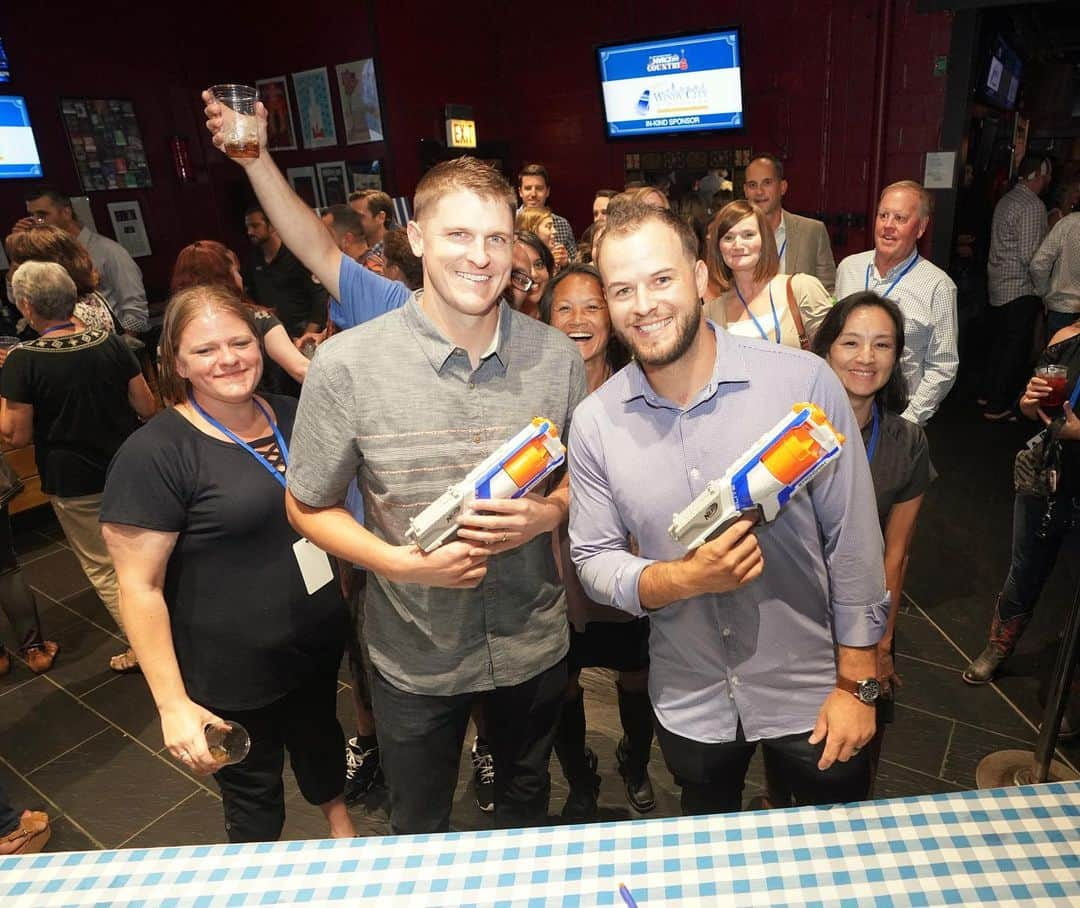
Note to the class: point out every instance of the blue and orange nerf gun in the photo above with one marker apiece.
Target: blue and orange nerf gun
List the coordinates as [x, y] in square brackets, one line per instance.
[511, 471]
[764, 478]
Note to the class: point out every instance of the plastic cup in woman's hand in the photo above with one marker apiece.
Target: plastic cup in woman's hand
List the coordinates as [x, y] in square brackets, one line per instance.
[228, 743]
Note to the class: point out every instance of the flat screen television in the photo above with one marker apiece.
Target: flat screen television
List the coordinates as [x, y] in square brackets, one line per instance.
[19, 159]
[672, 86]
[5, 70]
[1001, 83]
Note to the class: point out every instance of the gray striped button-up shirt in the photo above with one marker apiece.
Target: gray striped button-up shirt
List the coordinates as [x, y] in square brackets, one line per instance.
[1018, 227]
[397, 406]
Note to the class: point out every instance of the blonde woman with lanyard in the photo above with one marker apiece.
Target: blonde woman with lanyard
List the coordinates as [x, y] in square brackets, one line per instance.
[232, 614]
[755, 299]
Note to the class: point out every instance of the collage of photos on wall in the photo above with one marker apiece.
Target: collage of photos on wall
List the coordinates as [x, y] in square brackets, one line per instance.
[300, 110]
[106, 143]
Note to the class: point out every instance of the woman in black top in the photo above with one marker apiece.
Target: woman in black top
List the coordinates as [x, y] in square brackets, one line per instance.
[862, 338]
[1038, 529]
[233, 615]
[76, 393]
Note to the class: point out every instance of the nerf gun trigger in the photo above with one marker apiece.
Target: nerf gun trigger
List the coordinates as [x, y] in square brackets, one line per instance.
[511, 471]
[764, 478]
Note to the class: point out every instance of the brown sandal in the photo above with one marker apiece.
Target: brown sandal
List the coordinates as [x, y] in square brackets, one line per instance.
[125, 663]
[30, 836]
[40, 657]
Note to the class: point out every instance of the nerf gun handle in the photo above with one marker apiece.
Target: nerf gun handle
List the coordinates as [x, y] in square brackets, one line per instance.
[511, 471]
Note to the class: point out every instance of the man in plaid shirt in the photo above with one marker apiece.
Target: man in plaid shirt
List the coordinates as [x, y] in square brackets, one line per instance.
[534, 187]
[1018, 228]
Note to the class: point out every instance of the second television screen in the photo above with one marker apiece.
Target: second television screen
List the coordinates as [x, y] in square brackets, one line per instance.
[688, 83]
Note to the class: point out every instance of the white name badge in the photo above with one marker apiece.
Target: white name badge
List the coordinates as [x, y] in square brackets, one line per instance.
[314, 565]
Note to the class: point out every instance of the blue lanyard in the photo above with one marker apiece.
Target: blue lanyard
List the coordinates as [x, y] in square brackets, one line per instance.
[871, 447]
[243, 444]
[757, 324]
[899, 277]
[56, 328]
[782, 248]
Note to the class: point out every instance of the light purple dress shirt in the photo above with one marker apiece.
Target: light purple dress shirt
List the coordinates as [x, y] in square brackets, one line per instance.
[763, 654]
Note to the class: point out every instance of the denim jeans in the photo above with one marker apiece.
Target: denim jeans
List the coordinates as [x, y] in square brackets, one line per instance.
[1033, 558]
[420, 739]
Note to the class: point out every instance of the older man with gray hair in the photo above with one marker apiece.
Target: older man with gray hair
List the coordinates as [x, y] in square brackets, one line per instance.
[76, 393]
[925, 294]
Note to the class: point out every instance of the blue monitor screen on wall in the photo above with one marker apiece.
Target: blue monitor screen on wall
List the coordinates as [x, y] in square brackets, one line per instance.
[19, 158]
[688, 83]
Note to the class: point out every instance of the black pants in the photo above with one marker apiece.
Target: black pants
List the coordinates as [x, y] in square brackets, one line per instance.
[304, 723]
[1011, 351]
[712, 775]
[420, 739]
[16, 600]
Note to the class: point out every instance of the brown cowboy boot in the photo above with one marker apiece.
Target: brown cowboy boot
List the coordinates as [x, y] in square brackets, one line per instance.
[1004, 636]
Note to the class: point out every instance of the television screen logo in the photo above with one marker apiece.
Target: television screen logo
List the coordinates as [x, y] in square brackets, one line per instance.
[643, 102]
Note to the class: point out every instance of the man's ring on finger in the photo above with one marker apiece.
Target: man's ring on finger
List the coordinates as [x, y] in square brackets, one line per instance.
[855, 750]
[505, 538]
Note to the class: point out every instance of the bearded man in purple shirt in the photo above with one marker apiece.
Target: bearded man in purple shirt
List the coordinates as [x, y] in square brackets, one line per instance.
[765, 633]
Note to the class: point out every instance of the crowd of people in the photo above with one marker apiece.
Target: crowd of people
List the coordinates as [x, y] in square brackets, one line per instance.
[244, 540]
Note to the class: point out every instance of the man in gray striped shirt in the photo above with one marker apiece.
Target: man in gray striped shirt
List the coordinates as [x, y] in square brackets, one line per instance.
[407, 404]
[1018, 227]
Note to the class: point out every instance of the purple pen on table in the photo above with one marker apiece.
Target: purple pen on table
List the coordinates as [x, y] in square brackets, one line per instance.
[627, 897]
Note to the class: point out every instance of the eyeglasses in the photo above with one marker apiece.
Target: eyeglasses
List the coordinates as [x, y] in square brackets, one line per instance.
[519, 280]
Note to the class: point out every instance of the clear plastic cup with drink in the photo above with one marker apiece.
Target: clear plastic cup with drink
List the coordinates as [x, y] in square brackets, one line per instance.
[227, 744]
[239, 128]
[1057, 377]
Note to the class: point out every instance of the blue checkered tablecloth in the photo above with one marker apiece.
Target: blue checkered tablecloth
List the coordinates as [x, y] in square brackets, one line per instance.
[1007, 846]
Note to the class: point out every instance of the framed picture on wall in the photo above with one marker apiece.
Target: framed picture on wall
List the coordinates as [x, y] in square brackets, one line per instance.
[106, 143]
[365, 175]
[358, 92]
[274, 93]
[313, 104]
[305, 185]
[333, 182]
[129, 228]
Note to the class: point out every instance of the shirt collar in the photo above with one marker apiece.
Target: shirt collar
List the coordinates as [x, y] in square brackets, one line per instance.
[728, 367]
[438, 349]
[84, 236]
[897, 268]
[782, 229]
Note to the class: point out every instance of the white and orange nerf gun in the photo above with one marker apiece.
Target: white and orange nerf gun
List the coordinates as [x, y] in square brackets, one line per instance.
[775, 467]
[509, 472]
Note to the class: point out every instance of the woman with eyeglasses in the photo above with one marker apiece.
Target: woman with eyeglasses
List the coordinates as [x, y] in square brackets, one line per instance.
[532, 267]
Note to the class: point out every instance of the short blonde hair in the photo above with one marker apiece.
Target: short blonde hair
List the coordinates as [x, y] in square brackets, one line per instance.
[926, 201]
[531, 218]
[768, 265]
[465, 174]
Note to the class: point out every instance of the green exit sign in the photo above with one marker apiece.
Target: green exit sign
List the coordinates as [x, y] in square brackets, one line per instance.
[941, 65]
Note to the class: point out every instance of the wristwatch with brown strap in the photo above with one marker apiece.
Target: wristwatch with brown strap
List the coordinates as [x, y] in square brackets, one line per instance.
[866, 691]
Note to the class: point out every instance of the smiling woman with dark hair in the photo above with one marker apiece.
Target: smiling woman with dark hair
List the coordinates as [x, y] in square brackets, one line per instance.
[532, 267]
[600, 636]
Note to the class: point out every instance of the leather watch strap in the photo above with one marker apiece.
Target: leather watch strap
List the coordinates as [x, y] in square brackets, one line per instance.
[846, 684]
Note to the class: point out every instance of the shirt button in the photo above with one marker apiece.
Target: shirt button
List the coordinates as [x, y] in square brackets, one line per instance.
[477, 438]
[727, 632]
[734, 680]
[472, 386]
[695, 473]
